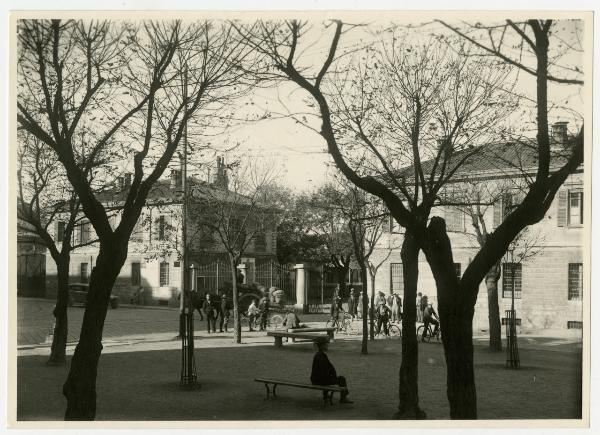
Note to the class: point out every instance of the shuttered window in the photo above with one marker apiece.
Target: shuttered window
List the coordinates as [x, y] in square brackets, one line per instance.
[60, 231]
[136, 275]
[83, 273]
[570, 208]
[454, 218]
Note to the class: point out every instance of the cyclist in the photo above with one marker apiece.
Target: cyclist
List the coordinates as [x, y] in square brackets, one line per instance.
[383, 318]
[428, 317]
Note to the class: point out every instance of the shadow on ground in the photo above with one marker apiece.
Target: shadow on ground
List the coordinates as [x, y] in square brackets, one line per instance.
[144, 385]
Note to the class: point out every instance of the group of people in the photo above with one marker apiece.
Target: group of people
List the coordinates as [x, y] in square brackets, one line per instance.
[258, 312]
[213, 310]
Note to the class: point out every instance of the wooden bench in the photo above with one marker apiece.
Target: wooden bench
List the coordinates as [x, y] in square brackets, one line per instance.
[329, 389]
[329, 331]
[279, 335]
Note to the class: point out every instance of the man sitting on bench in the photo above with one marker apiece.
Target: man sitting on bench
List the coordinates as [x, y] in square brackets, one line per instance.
[323, 372]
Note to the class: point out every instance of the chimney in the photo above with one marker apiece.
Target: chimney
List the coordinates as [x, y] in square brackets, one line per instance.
[221, 179]
[445, 144]
[559, 133]
[127, 181]
[176, 179]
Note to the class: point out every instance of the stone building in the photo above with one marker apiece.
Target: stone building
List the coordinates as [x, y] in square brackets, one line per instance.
[549, 282]
[154, 260]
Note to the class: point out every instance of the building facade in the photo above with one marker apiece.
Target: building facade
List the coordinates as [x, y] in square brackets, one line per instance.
[548, 282]
[152, 273]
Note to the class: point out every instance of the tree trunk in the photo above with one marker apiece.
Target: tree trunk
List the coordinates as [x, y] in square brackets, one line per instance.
[371, 310]
[457, 336]
[80, 386]
[365, 337]
[58, 350]
[456, 308]
[408, 389]
[237, 324]
[491, 282]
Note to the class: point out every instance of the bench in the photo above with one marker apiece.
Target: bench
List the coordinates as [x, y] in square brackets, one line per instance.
[279, 335]
[329, 331]
[329, 389]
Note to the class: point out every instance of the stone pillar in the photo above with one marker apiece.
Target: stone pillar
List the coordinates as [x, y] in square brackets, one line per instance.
[301, 281]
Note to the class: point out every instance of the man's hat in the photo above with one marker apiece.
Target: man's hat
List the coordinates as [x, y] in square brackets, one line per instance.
[321, 340]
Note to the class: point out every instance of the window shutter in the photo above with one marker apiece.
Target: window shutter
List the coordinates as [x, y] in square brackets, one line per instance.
[561, 215]
[498, 212]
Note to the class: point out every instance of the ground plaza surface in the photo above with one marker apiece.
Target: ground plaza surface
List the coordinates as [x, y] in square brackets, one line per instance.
[138, 377]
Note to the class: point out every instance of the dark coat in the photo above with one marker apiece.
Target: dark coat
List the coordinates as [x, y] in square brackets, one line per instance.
[323, 372]
[352, 305]
[210, 308]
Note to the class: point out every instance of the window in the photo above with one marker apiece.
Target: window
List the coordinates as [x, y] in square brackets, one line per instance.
[575, 209]
[161, 227]
[60, 231]
[136, 277]
[164, 274]
[84, 235]
[572, 324]
[457, 269]
[511, 278]
[355, 276]
[396, 278]
[575, 281]
[454, 219]
[83, 272]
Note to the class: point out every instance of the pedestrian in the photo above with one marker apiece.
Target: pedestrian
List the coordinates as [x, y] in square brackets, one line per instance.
[336, 308]
[252, 314]
[352, 304]
[419, 312]
[225, 312]
[396, 307]
[424, 303]
[264, 313]
[359, 306]
[210, 312]
[323, 372]
[383, 318]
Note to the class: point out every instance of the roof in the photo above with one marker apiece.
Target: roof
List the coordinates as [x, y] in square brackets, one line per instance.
[492, 159]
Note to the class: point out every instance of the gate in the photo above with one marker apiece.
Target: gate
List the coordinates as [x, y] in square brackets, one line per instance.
[210, 277]
[281, 276]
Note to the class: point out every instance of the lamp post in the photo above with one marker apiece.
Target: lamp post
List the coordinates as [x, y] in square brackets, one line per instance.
[512, 350]
[186, 316]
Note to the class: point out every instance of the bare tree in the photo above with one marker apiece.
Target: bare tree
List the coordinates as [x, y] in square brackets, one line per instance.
[469, 88]
[47, 209]
[236, 214]
[125, 80]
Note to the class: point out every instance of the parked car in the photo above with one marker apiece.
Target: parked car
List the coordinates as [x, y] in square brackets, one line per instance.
[78, 295]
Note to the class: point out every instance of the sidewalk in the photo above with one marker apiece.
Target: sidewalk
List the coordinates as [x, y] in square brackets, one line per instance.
[138, 382]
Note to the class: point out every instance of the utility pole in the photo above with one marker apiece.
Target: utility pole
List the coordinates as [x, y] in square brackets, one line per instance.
[188, 379]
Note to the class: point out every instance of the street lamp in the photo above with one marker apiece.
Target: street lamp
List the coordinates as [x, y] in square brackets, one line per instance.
[512, 350]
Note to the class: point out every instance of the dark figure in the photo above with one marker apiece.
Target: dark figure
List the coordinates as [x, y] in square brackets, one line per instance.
[211, 314]
[323, 372]
[383, 318]
[264, 312]
[225, 313]
[352, 304]
[197, 301]
[336, 308]
[428, 317]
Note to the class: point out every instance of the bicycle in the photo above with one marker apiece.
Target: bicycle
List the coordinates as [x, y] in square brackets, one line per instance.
[428, 334]
[394, 331]
[274, 322]
[342, 324]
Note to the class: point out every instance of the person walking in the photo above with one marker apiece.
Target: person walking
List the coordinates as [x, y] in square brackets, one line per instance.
[383, 318]
[210, 312]
[263, 308]
[352, 304]
[396, 307]
[359, 306]
[225, 312]
[323, 372]
[253, 312]
[424, 302]
[419, 311]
